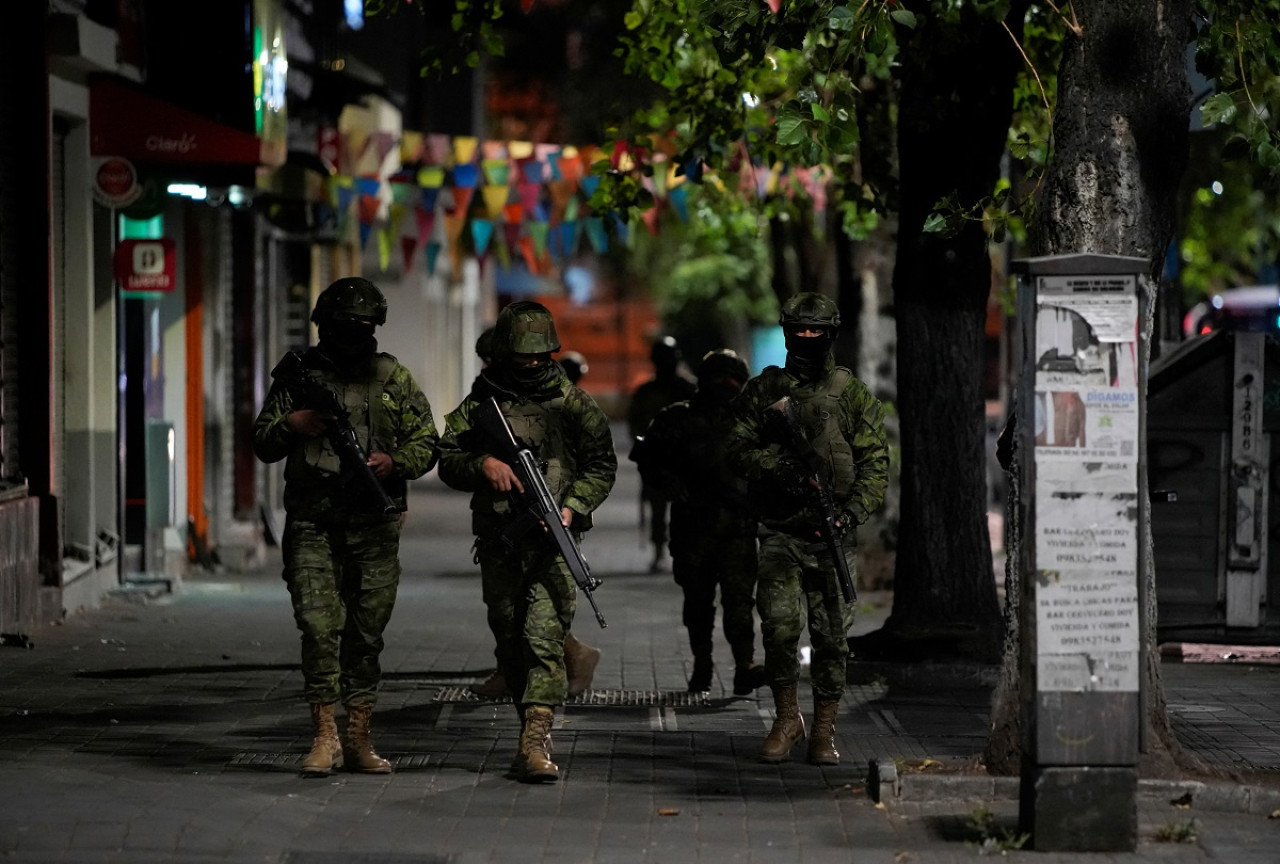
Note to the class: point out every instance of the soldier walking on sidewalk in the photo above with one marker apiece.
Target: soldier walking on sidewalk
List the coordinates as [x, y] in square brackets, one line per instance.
[353, 427]
[845, 465]
[529, 591]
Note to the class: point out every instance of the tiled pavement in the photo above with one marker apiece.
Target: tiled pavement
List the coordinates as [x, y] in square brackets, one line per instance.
[170, 731]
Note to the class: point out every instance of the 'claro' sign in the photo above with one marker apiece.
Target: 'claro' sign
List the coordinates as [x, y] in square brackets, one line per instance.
[147, 265]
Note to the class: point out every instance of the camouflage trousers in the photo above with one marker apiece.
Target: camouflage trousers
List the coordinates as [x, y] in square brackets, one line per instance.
[530, 598]
[798, 585]
[342, 579]
[700, 565]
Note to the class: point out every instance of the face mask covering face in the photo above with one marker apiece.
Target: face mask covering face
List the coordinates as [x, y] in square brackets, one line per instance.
[348, 340]
[530, 375]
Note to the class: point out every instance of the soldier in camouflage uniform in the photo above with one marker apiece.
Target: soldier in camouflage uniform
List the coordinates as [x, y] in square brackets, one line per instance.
[529, 593]
[341, 551]
[713, 532]
[844, 423]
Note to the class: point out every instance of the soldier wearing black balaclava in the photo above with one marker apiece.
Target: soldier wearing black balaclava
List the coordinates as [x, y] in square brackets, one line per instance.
[341, 553]
[844, 423]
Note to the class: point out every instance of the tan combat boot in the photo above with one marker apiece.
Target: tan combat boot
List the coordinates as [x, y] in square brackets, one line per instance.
[326, 749]
[580, 661]
[788, 726]
[359, 749]
[822, 740]
[533, 764]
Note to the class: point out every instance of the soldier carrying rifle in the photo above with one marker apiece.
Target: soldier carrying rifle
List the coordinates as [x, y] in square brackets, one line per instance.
[809, 438]
[353, 427]
[527, 573]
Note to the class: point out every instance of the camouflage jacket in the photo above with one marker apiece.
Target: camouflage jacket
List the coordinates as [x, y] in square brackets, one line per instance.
[389, 413]
[845, 424]
[682, 457]
[562, 425]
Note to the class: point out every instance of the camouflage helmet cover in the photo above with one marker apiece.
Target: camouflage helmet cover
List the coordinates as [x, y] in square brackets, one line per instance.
[811, 309]
[525, 327]
[352, 296]
[723, 363]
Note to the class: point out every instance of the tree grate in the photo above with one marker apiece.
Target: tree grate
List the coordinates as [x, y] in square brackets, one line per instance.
[595, 698]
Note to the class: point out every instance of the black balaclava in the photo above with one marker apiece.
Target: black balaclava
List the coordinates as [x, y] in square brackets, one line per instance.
[348, 340]
[807, 355]
[532, 380]
[717, 392]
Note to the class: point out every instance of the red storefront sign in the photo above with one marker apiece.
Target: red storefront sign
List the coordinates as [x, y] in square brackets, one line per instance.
[126, 122]
[147, 265]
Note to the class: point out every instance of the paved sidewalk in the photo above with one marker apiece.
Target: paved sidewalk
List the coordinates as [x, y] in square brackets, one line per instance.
[170, 729]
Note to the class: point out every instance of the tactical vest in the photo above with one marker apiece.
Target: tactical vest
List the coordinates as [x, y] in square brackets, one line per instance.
[540, 427]
[818, 409]
[365, 401]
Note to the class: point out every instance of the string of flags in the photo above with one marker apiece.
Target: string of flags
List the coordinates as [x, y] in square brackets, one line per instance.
[510, 199]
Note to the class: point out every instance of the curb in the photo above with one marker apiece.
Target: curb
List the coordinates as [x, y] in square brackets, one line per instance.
[883, 781]
[922, 675]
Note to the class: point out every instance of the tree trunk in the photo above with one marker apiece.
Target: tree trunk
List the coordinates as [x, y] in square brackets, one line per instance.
[1120, 148]
[954, 112]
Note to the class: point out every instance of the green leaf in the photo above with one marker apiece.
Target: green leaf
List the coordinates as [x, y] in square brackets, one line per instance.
[841, 18]
[791, 129]
[905, 17]
[936, 223]
[1219, 108]
[819, 113]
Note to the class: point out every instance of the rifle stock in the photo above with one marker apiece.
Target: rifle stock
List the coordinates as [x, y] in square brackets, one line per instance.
[830, 530]
[291, 372]
[539, 504]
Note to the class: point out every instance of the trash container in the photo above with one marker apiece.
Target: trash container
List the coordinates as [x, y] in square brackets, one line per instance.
[1213, 405]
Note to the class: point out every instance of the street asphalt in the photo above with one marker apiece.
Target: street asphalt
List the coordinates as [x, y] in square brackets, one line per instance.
[169, 727]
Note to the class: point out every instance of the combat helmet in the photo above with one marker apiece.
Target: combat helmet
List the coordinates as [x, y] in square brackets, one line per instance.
[525, 327]
[351, 296]
[722, 363]
[809, 309]
[665, 352]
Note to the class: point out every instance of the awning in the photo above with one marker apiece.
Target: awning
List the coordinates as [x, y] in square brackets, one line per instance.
[125, 121]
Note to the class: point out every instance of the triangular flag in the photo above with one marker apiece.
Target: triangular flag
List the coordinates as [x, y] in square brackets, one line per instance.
[650, 218]
[497, 171]
[365, 228]
[464, 149]
[531, 170]
[411, 144]
[403, 193]
[530, 253]
[589, 184]
[538, 234]
[438, 149]
[596, 234]
[513, 213]
[511, 234]
[481, 234]
[504, 255]
[495, 198]
[570, 166]
[571, 210]
[428, 200]
[431, 177]
[433, 252]
[530, 197]
[369, 205]
[461, 199]
[570, 232]
[408, 245]
[426, 223]
[466, 175]
[368, 185]
[395, 218]
[622, 229]
[679, 198]
[494, 150]
[385, 239]
[518, 150]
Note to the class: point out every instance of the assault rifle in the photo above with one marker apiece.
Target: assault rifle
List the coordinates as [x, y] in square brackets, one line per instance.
[540, 507]
[309, 393]
[815, 467]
